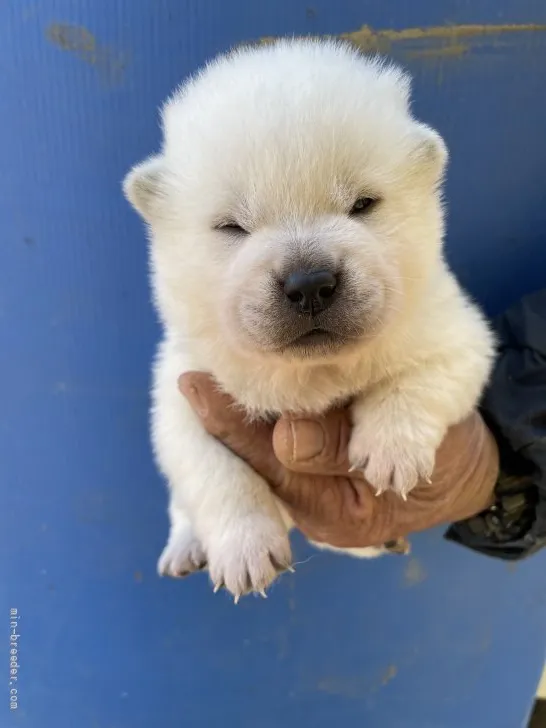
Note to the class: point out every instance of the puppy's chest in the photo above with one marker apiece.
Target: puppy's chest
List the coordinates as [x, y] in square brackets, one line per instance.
[267, 395]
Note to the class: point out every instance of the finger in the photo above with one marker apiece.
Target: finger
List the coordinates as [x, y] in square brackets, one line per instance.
[318, 445]
[221, 418]
[338, 510]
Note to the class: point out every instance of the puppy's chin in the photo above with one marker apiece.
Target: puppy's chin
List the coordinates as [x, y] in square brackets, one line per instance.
[305, 343]
[325, 347]
[315, 344]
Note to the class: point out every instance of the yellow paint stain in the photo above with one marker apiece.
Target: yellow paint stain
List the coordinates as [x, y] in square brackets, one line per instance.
[414, 573]
[82, 43]
[389, 674]
[368, 35]
[73, 38]
[450, 51]
[354, 686]
[439, 41]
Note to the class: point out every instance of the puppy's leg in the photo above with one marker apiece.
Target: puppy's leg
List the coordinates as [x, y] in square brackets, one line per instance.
[183, 554]
[399, 546]
[400, 423]
[398, 426]
[395, 437]
[231, 508]
[370, 552]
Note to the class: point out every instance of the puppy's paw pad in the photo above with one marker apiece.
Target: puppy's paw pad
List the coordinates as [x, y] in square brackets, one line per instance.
[249, 555]
[390, 463]
[183, 555]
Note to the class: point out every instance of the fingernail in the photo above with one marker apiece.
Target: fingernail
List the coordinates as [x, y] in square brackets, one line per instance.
[307, 440]
[194, 397]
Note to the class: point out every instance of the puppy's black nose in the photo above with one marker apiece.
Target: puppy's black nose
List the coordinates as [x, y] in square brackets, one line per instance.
[310, 292]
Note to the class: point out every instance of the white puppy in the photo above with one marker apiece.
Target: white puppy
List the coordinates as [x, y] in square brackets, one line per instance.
[296, 230]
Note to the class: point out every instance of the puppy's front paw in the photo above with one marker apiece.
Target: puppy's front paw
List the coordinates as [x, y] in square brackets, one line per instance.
[392, 452]
[183, 555]
[248, 555]
[397, 466]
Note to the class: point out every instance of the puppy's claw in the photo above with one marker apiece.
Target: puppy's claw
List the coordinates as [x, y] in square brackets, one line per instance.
[217, 587]
[246, 561]
[291, 569]
[359, 467]
[236, 598]
[262, 593]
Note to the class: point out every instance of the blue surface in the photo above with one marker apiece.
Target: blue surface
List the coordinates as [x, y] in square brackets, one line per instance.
[443, 640]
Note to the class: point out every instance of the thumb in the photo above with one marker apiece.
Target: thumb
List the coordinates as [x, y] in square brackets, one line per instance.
[223, 420]
[318, 445]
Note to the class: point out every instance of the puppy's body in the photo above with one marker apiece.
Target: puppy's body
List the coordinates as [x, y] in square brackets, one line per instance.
[283, 166]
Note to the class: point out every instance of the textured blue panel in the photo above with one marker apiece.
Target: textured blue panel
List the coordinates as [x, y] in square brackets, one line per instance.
[442, 640]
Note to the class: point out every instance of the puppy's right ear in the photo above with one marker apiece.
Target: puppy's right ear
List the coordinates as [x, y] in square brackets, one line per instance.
[145, 187]
[429, 154]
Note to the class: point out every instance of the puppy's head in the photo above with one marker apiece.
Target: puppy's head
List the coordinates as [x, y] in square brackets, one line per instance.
[294, 208]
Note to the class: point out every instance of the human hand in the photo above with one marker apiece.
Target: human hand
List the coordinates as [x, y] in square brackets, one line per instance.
[305, 461]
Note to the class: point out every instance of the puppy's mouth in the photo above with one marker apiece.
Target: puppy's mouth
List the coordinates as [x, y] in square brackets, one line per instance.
[316, 338]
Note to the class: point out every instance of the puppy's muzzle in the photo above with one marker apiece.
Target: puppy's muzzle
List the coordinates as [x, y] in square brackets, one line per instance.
[310, 292]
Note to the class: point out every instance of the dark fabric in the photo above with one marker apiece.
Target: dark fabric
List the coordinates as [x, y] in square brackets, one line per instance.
[514, 407]
[538, 718]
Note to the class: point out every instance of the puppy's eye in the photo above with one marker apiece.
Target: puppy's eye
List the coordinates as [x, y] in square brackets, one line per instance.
[362, 205]
[231, 228]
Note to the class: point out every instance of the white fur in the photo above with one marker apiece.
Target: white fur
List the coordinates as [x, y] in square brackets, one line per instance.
[281, 140]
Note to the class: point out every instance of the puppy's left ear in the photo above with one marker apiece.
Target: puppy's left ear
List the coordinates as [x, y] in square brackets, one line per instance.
[428, 156]
[145, 186]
